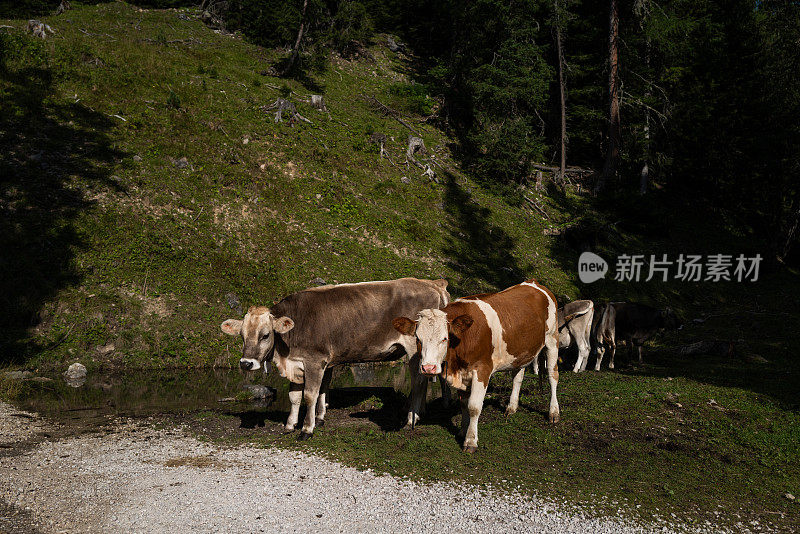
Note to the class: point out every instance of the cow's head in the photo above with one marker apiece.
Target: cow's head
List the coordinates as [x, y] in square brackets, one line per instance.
[258, 329]
[435, 334]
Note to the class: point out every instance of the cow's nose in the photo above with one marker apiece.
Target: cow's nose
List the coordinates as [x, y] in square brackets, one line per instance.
[246, 364]
[429, 369]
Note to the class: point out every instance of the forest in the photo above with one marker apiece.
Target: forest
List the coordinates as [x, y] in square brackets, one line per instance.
[700, 97]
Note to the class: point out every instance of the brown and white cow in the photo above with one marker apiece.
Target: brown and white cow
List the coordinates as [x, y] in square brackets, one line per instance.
[473, 337]
[310, 331]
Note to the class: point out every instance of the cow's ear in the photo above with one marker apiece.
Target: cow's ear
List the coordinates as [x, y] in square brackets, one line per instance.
[232, 327]
[460, 324]
[405, 326]
[283, 325]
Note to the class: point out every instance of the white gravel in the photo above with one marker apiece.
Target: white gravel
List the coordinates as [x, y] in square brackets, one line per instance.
[138, 479]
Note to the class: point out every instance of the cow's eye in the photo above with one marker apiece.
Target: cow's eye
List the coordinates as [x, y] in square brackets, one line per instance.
[444, 340]
[265, 336]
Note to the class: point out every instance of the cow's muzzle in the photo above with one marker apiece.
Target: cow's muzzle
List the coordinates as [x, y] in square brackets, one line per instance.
[249, 364]
[430, 369]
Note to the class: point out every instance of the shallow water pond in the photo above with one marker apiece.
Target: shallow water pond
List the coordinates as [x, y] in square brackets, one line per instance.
[149, 392]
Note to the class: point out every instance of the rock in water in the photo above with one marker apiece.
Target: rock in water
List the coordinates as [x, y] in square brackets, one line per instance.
[76, 370]
[258, 391]
[75, 375]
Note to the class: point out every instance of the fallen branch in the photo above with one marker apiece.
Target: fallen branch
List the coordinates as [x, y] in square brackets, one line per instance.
[573, 170]
[386, 110]
[535, 205]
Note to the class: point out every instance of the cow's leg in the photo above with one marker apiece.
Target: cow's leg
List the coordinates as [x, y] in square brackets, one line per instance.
[639, 346]
[445, 391]
[474, 406]
[314, 376]
[322, 400]
[513, 401]
[463, 397]
[419, 390]
[612, 347]
[551, 348]
[601, 350]
[295, 397]
[583, 355]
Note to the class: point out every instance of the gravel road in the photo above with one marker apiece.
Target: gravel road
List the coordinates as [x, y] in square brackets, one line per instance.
[136, 478]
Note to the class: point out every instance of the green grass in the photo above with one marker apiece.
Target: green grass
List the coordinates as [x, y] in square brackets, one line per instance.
[95, 118]
[107, 241]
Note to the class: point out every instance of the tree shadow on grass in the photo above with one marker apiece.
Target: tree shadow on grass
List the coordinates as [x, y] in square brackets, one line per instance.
[47, 149]
[480, 251]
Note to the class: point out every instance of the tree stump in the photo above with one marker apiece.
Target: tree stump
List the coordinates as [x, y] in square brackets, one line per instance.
[282, 105]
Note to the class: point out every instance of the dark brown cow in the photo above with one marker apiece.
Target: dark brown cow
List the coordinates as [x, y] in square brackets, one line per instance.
[471, 338]
[631, 322]
[310, 331]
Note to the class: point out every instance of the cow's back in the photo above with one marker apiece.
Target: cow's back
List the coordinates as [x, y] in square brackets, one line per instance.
[508, 327]
[353, 322]
[636, 320]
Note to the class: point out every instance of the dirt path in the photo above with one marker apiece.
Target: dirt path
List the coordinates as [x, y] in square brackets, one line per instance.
[136, 478]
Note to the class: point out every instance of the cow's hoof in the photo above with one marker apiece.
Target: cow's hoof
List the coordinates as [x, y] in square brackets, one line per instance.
[555, 417]
[471, 449]
[304, 436]
[320, 422]
[510, 411]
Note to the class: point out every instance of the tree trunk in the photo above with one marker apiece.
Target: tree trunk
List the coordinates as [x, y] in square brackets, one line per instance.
[644, 178]
[614, 129]
[296, 49]
[562, 95]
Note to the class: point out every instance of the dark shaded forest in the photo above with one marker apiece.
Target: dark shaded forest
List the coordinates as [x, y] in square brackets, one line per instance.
[699, 98]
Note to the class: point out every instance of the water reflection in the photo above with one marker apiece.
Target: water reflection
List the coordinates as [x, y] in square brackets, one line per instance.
[100, 396]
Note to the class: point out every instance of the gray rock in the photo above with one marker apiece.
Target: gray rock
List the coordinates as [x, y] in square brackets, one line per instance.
[75, 371]
[789, 496]
[233, 302]
[405, 179]
[258, 391]
[181, 163]
[137, 158]
[75, 376]
[318, 282]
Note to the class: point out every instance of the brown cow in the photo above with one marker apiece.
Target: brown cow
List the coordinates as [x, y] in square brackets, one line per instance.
[473, 337]
[310, 331]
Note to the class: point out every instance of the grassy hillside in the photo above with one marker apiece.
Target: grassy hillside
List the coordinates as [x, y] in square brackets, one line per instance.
[112, 239]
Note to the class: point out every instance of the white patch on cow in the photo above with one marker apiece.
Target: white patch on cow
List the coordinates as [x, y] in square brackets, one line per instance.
[551, 306]
[293, 370]
[501, 359]
[256, 364]
[432, 334]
